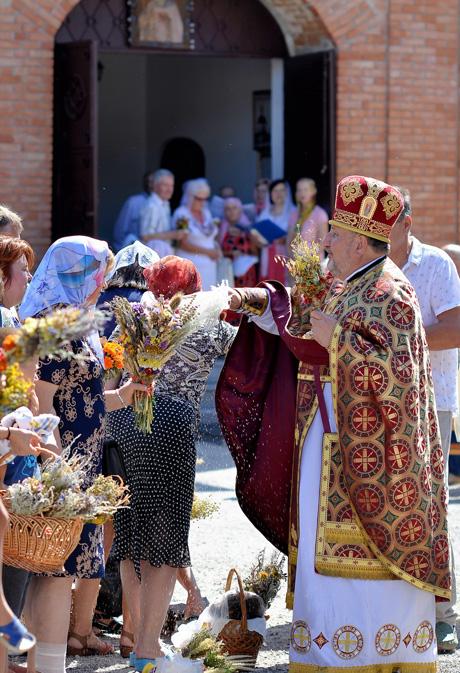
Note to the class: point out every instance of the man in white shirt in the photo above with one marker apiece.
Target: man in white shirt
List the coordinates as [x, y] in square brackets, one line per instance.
[155, 219]
[126, 229]
[435, 279]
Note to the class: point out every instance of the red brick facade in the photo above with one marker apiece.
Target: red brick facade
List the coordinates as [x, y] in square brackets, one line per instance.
[398, 107]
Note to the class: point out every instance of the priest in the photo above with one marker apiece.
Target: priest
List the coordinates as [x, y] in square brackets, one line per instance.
[334, 434]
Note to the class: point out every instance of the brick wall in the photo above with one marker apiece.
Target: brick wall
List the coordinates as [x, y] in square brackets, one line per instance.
[397, 113]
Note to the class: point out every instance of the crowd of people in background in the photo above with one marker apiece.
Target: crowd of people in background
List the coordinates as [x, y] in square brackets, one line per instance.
[225, 238]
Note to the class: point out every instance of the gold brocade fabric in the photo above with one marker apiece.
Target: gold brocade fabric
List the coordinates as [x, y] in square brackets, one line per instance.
[382, 509]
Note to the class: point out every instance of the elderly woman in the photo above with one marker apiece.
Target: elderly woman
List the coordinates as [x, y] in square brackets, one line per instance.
[309, 219]
[200, 246]
[238, 244]
[72, 272]
[151, 538]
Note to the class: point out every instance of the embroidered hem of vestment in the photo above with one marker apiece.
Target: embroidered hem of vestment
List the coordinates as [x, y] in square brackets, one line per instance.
[295, 667]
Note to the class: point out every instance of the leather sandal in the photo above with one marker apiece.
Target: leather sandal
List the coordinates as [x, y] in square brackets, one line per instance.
[125, 650]
[85, 650]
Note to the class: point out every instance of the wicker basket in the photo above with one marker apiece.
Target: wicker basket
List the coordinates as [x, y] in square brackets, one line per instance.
[40, 544]
[241, 645]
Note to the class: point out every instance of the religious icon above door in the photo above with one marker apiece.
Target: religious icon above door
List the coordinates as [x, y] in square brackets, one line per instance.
[160, 23]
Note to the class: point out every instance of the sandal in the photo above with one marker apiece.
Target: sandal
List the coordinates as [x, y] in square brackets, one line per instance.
[125, 650]
[15, 637]
[85, 650]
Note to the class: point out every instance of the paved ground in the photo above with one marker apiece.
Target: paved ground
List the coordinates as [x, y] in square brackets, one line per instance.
[229, 540]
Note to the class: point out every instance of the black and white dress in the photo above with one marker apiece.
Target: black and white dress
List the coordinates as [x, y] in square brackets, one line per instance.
[161, 466]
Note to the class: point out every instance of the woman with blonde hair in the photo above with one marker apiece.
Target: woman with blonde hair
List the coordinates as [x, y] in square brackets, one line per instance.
[310, 220]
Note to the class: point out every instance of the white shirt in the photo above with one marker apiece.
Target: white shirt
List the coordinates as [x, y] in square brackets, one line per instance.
[155, 219]
[437, 285]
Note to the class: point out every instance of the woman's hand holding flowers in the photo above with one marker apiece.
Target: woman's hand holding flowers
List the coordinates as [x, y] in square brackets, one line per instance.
[124, 395]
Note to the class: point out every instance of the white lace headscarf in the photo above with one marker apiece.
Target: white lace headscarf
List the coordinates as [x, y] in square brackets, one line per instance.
[69, 273]
[136, 252]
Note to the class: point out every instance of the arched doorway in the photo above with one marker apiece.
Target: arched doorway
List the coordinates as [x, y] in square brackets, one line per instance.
[185, 158]
[114, 132]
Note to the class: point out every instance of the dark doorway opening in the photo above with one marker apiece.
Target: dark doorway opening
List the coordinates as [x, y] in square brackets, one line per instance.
[233, 30]
[185, 158]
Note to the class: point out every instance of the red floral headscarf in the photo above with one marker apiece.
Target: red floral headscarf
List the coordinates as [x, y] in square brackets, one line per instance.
[171, 275]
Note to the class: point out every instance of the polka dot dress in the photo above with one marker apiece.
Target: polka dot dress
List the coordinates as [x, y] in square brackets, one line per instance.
[160, 474]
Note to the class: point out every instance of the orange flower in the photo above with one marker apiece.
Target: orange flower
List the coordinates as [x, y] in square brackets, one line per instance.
[3, 361]
[113, 355]
[9, 342]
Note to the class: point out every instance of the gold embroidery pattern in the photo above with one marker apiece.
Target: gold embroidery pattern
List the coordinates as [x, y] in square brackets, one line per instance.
[423, 637]
[347, 642]
[350, 191]
[405, 544]
[356, 223]
[374, 188]
[418, 667]
[341, 549]
[390, 204]
[387, 640]
[300, 637]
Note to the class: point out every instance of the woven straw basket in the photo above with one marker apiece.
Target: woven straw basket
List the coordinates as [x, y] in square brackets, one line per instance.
[241, 645]
[40, 544]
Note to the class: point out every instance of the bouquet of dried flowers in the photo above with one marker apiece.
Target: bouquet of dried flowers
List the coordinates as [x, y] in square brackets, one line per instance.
[203, 508]
[206, 646]
[311, 283]
[113, 358]
[46, 336]
[151, 331]
[58, 492]
[264, 578]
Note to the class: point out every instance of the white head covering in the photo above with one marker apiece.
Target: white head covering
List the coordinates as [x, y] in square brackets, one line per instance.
[191, 188]
[71, 270]
[281, 219]
[136, 252]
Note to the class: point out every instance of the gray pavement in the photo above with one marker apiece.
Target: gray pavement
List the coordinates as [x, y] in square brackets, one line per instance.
[229, 540]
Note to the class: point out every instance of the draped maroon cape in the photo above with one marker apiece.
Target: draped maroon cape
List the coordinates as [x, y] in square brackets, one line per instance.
[256, 407]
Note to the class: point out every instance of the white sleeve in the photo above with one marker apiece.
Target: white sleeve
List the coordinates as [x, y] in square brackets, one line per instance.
[445, 287]
[266, 320]
[149, 220]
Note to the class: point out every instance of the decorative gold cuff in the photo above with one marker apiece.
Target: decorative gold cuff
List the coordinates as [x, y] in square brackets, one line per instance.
[254, 300]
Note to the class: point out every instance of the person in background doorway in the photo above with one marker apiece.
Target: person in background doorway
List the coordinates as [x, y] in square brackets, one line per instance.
[10, 223]
[126, 229]
[435, 280]
[199, 245]
[238, 244]
[216, 205]
[155, 220]
[310, 220]
[261, 199]
[278, 211]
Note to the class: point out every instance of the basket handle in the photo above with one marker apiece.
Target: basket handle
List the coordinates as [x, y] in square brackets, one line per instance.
[228, 584]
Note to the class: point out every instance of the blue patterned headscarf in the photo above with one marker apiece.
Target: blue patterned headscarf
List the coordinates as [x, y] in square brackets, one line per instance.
[71, 270]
